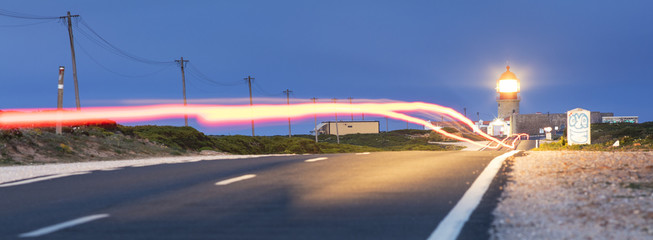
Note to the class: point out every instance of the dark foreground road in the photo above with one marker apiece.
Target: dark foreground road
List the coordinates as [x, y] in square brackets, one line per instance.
[389, 195]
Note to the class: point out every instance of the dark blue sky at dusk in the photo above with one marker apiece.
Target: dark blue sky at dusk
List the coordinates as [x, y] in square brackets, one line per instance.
[596, 55]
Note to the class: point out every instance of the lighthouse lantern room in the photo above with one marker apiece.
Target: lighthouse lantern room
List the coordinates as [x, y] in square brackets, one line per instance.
[508, 89]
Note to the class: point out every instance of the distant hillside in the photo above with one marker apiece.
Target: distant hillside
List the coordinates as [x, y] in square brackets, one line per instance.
[112, 141]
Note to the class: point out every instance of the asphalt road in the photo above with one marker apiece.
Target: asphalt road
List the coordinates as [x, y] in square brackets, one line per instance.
[388, 195]
[526, 144]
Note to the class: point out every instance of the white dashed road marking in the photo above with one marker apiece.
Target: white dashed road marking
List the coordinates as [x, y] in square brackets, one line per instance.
[316, 159]
[236, 179]
[57, 227]
[363, 153]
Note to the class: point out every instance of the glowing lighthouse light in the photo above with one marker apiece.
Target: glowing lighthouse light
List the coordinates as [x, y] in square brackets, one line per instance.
[508, 85]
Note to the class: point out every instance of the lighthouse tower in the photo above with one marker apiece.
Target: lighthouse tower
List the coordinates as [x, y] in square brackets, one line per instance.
[508, 89]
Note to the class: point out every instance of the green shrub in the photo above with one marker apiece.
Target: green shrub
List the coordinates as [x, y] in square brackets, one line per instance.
[7, 134]
[631, 137]
[65, 149]
[178, 138]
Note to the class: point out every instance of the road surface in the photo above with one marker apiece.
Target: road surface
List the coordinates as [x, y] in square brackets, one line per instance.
[385, 195]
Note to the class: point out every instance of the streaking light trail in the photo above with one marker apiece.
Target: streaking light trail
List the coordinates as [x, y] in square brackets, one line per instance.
[213, 115]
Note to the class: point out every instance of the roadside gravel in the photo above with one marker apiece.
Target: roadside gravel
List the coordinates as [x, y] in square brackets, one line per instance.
[577, 195]
[14, 173]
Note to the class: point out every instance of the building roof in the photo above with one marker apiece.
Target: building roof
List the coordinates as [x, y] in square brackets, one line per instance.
[508, 74]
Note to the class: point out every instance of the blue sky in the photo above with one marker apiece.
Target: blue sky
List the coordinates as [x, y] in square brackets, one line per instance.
[595, 55]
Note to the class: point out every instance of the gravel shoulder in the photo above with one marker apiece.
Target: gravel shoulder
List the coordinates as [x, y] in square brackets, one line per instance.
[577, 195]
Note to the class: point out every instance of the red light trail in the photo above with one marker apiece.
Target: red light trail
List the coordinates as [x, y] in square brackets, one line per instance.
[214, 115]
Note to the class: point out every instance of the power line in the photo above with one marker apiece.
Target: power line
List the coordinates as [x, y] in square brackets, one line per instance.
[87, 31]
[197, 87]
[113, 48]
[85, 51]
[198, 74]
[262, 91]
[26, 24]
[13, 14]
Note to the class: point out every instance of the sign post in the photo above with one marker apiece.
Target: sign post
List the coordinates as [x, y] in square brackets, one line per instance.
[59, 100]
[578, 127]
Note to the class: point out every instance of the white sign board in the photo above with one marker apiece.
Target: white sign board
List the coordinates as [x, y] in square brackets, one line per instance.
[578, 127]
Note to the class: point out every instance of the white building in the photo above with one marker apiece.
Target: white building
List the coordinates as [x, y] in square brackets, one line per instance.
[348, 127]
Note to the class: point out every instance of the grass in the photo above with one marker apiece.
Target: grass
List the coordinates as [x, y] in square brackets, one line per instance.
[327, 144]
[400, 140]
[113, 141]
[184, 139]
[631, 137]
[43, 145]
[178, 138]
[386, 140]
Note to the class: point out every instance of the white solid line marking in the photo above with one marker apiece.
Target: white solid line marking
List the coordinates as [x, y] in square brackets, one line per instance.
[236, 179]
[451, 225]
[143, 164]
[41, 179]
[110, 169]
[363, 153]
[57, 227]
[316, 159]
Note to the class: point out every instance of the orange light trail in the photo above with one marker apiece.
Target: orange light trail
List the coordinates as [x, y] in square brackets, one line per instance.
[223, 114]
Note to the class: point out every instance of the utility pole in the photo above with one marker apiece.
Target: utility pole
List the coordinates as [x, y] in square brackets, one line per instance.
[465, 111]
[249, 83]
[59, 99]
[315, 119]
[352, 112]
[72, 53]
[386, 124]
[337, 134]
[183, 82]
[287, 92]
[478, 115]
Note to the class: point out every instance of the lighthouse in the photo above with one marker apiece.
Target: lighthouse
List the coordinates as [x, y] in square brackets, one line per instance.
[508, 89]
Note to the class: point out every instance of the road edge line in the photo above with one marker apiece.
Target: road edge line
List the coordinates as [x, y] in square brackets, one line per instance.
[42, 178]
[452, 224]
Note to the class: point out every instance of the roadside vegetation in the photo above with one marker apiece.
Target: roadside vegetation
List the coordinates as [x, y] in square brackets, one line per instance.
[631, 137]
[42, 145]
[400, 140]
[113, 141]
